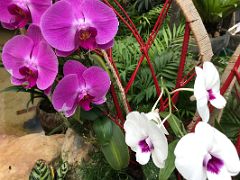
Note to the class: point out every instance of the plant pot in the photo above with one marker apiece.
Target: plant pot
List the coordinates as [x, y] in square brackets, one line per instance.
[220, 43]
[234, 42]
[51, 121]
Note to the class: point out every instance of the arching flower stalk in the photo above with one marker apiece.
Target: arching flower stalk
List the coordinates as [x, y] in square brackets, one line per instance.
[30, 60]
[206, 154]
[70, 24]
[17, 13]
[207, 88]
[80, 86]
[146, 139]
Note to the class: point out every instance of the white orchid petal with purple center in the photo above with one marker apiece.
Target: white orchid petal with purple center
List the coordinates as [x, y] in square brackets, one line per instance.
[207, 153]
[207, 89]
[145, 138]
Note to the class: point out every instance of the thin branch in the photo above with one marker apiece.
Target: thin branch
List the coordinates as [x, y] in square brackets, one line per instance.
[119, 84]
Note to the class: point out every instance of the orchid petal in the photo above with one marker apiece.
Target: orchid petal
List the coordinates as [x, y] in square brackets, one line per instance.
[189, 158]
[34, 32]
[219, 101]
[57, 26]
[74, 67]
[142, 157]
[103, 18]
[8, 26]
[64, 53]
[100, 100]
[70, 112]
[47, 66]
[223, 174]
[225, 149]
[15, 51]
[203, 110]
[155, 116]
[37, 8]
[133, 127]
[205, 134]
[160, 145]
[200, 90]
[77, 7]
[211, 74]
[17, 82]
[97, 81]
[220, 146]
[106, 46]
[65, 94]
[5, 16]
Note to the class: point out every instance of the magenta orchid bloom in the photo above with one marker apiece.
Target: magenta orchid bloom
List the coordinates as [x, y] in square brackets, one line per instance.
[17, 13]
[30, 60]
[80, 87]
[70, 24]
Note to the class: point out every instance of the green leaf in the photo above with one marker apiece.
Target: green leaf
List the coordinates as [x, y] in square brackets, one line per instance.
[166, 172]
[116, 151]
[103, 130]
[13, 89]
[176, 124]
[150, 171]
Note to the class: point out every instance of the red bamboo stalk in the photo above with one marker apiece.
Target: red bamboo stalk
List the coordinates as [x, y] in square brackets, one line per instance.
[159, 22]
[116, 103]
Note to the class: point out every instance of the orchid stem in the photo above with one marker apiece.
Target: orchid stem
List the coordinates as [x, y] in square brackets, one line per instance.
[122, 92]
[160, 96]
[182, 89]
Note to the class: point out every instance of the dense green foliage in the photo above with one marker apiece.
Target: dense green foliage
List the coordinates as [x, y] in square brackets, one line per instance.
[215, 10]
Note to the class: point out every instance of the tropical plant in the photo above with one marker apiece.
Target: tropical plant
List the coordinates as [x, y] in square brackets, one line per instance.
[213, 11]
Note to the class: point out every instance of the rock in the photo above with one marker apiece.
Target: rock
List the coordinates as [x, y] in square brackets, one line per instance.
[19, 154]
[74, 149]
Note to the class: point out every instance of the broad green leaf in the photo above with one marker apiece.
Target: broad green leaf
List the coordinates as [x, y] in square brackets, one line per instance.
[166, 172]
[116, 151]
[176, 124]
[103, 130]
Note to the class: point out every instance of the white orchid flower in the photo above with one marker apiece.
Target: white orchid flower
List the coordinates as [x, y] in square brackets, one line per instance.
[207, 88]
[207, 153]
[145, 138]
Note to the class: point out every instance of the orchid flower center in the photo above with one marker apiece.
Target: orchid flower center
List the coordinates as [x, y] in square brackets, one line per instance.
[211, 95]
[30, 75]
[84, 99]
[212, 163]
[146, 145]
[84, 35]
[21, 16]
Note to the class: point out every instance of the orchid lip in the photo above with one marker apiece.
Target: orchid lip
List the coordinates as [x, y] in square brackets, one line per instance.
[213, 164]
[21, 16]
[145, 145]
[211, 96]
[30, 76]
